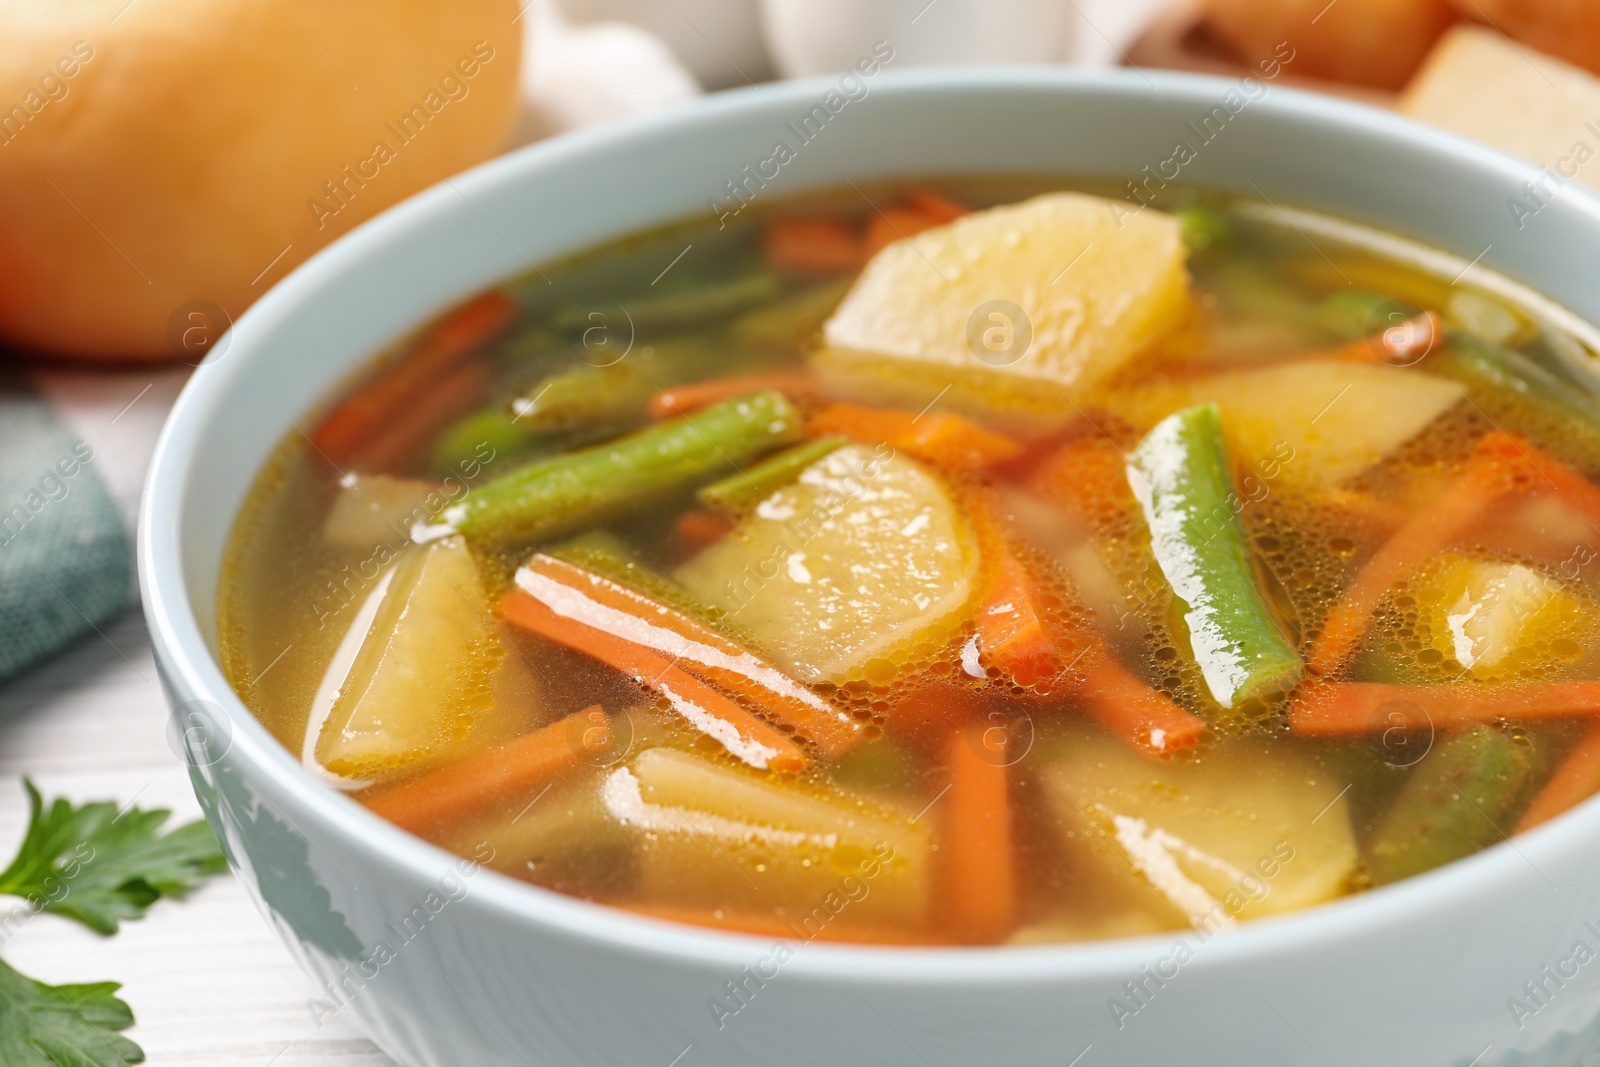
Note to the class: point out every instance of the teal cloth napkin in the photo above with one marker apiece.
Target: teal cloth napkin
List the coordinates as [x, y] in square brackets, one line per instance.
[66, 561]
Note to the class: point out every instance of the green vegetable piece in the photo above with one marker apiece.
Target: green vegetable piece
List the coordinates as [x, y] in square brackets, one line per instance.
[529, 346]
[1204, 228]
[583, 398]
[1353, 314]
[787, 321]
[1181, 477]
[1455, 802]
[551, 497]
[100, 867]
[742, 490]
[1249, 290]
[1495, 375]
[691, 306]
[461, 441]
[63, 1025]
[579, 404]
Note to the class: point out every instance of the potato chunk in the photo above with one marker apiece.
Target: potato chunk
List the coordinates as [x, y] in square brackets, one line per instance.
[1098, 281]
[559, 836]
[414, 673]
[1501, 620]
[847, 571]
[1242, 832]
[375, 509]
[721, 838]
[1317, 422]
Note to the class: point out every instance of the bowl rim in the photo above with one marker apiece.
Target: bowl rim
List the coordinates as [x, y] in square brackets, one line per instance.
[183, 651]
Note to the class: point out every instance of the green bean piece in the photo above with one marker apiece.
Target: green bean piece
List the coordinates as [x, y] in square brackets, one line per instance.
[1498, 378]
[1204, 228]
[1247, 290]
[790, 320]
[1457, 800]
[579, 404]
[743, 490]
[464, 439]
[606, 554]
[583, 398]
[1353, 314]
[1181, 478]
[688, 307]
[555, 496]
[534, 345]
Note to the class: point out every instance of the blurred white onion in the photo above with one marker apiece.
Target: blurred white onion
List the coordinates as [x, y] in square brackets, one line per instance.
[718, 40]
[574, 76]
[821, 36]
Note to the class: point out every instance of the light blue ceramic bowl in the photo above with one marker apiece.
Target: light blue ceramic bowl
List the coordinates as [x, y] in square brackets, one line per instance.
[445, 967]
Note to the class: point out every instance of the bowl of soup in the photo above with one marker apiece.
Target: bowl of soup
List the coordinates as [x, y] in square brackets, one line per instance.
[1019, 566]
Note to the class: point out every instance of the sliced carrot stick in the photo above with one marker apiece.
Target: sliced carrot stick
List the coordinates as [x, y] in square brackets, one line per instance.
[1550, 475]
[1013, 634]
[456, 336]
[395, 444]
[752, 740]
[698, 528]
[886, 227]
[770, 926]
[686, 399]
[468, 785]
[1575, 781]
[1135, 712]
[975, 857]
[1087, 476]
[1013, 631]
[1020, 634]
[1020, 623]
[939, 208]
[930, 711]
[1401, 345]
[1374, 514]
[815, 245]
[922, 210]
[598, 603]
[947, 441]
[1348, 709]
[1488, 475]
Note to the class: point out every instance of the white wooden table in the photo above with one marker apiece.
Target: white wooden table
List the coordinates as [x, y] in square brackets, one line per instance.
[208, 982]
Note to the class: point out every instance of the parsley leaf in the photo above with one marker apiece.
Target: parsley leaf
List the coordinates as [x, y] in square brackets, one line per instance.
[63, 1025]
[99, 866]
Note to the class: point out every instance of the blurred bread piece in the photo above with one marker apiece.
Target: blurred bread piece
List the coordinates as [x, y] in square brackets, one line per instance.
[1566, 29]
[1514, 98]
[164, 158]
[1180, 38]
[1376, 43]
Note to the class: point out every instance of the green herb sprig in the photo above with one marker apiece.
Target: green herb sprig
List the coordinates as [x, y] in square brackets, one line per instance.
[98, 864]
